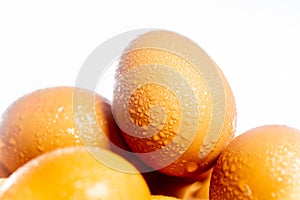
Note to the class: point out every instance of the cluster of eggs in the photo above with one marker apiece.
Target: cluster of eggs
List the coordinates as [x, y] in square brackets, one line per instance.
[169, 133]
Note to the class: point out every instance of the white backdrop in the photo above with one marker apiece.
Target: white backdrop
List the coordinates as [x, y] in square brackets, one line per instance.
[255, 43]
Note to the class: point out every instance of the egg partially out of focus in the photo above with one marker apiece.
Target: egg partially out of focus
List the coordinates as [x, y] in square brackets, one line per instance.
[53, 118]
[173, 104]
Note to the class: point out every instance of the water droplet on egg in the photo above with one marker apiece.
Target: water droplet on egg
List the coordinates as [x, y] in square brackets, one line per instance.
[191, 166]
[40, 148]
[12, 141]
[156, 138]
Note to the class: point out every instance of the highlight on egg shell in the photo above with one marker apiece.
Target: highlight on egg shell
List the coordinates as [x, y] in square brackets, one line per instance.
[172, 103]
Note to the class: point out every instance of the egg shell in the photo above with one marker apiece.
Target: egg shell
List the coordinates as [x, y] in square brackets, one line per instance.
[173, 104]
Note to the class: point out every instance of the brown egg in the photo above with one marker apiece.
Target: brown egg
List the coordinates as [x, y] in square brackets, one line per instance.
[173, 104]
[262, 163]
[53, 118]
[72, 173]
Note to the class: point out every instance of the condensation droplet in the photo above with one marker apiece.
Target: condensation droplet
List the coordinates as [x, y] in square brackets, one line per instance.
[173, 154]
[12, 141]
[162, 134]
[232, 168]
[22, 155]
[191, 166]
[241, 185]
[71, 131]
[14, 149]
[165, 142]
[2, 144]
[40, 148]
[156, 138]
[60, 109]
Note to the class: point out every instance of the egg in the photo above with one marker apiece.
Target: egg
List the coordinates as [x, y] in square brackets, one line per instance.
[262, 163]
[73, 173]
[53, 118]
[173, 104]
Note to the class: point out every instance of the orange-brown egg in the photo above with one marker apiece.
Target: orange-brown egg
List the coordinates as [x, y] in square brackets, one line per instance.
[173, 104]
[263, 163]
[73, 173]
[53, 118]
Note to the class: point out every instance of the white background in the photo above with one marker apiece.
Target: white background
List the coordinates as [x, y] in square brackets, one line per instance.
[255, 43]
